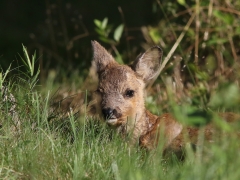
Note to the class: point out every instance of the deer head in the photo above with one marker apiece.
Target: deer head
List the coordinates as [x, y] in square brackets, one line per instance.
[120, 92]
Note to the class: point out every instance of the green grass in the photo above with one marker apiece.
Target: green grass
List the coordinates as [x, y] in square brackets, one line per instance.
[83, 148]
[40, 152]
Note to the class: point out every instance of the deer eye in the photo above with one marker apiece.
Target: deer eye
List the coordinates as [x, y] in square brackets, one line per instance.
[129, 93]
[99, 90]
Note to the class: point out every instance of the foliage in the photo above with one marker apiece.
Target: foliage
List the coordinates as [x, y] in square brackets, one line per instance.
[3, 76]
[201, 78]
[41, 149]
[31, 77]
[103, 30]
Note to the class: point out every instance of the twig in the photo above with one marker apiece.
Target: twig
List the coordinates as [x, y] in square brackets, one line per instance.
[210, 10]
[229, 10]
[177, 43]
[75, 38]
[233, 48]
[125, 31]
[166, 17]
[197, 26]
[173, 49]
[70, 43]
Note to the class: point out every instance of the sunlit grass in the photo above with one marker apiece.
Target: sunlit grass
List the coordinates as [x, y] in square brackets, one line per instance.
[79, 147]
[39, 151]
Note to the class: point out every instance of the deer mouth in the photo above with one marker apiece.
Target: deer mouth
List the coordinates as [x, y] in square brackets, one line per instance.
[115, 122]
[111, 121]
[111, 116]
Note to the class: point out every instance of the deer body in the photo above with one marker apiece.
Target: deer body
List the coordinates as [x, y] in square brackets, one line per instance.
[120, 100]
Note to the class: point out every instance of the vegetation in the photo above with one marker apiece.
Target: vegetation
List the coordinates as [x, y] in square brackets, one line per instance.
[199, 78]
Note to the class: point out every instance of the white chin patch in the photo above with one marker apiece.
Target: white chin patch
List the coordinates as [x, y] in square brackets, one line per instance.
[111, 121]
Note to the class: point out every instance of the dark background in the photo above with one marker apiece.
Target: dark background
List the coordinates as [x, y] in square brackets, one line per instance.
[27, 22]
[61, 32]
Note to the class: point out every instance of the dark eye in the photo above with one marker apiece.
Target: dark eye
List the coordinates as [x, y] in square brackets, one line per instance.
[99, 90]
[129, 93]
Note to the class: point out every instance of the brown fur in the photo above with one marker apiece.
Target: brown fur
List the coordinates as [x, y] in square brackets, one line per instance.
[120, 99]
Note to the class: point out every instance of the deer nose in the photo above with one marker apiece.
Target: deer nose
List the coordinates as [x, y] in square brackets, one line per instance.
[107, 113]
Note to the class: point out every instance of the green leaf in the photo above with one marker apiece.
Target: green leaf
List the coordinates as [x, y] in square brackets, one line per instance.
[191, 33]
[227, 96]
[119, 58]
[202, 75]
[155, 35]
[191, 115]
[118, 32]
[100, 32]
[217, 41]
[98, 23]
[182, 2]
[226, 18]
[237, 31]
[3, 76]
[211, 64]
[104, 39]
[104, 23]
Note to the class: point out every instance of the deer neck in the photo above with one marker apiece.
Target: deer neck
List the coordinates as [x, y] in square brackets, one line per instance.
[143, 123]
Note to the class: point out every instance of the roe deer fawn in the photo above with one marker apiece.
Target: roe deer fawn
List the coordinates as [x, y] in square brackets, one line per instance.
[120, 99]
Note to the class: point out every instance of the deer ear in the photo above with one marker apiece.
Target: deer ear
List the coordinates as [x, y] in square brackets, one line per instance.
[147, 65]
[101, 58]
